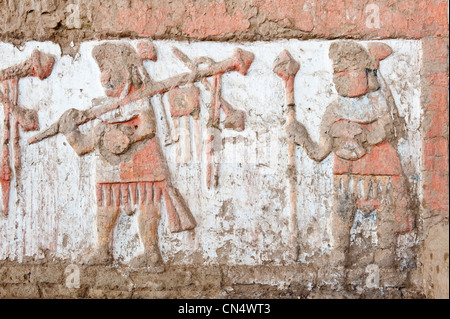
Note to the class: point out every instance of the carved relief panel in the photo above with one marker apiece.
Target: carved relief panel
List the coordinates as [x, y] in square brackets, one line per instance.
[160, 151]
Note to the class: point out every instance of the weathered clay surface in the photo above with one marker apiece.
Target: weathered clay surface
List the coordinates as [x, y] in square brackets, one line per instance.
[435, 263]
[49, 280]
[236, 20]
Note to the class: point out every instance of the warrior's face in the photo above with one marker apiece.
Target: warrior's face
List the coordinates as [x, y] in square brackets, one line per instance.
[118, 65]
[354, 83]
[115, 79]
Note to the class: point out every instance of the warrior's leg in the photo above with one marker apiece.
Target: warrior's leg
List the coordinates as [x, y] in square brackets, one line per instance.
[107, 214]
[385, 254]
[148, 221]
[396, 220]
[404, 215]
[106, 220]
[342, 218]
[341, 226]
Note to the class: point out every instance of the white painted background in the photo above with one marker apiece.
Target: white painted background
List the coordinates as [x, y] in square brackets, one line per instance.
[245, 219]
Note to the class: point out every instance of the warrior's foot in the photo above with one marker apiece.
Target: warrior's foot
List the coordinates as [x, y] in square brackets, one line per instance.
[151, 259]
[101, 256]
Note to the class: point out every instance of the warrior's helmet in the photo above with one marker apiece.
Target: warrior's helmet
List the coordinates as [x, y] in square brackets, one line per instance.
[121, 65]
[355, 67]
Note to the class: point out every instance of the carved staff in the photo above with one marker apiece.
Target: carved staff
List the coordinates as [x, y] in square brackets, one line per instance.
[5, 173]
[39, 65]
[235, 119]
[213, 127]
[240, 62]
[286, 67]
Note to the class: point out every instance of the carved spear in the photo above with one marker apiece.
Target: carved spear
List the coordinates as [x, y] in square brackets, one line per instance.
[286, 67]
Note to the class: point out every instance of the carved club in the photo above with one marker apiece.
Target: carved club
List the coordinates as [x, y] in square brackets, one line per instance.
[39, 65]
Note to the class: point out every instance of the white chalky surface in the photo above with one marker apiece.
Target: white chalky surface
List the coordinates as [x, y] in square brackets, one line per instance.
[242, 221]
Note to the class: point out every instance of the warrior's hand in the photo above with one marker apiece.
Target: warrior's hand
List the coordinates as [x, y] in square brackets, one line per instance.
[70, 120]
[296, 132]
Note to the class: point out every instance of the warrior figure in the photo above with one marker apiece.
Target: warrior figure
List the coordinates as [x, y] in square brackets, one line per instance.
[362, 128]
[131, 170]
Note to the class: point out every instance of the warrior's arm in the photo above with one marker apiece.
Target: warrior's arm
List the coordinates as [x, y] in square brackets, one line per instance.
[146, 128]
[381, 129]
[81, 143]
[298, 133]
[317, 151]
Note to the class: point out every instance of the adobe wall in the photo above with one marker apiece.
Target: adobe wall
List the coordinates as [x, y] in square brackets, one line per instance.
[224, 149]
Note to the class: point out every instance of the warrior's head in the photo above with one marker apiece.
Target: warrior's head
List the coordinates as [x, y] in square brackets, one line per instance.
[355, 68]
[121, 66]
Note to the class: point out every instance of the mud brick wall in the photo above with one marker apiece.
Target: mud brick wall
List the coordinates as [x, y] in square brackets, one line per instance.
[224, 149]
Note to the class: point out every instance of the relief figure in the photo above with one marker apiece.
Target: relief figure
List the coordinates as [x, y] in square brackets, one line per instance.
[362, 128]
[131, 171]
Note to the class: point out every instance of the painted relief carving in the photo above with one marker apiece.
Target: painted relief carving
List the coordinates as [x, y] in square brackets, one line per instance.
[39, 65]
[132, 173]
[133, 179]
[362, 128]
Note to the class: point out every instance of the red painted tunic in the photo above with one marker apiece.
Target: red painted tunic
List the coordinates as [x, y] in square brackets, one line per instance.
[142, 180]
